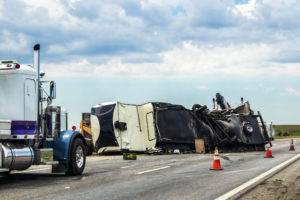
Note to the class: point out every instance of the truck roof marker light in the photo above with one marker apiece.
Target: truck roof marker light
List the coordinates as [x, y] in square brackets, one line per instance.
[73, 128]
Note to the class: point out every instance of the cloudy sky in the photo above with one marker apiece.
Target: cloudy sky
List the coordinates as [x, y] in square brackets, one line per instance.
[180, 52]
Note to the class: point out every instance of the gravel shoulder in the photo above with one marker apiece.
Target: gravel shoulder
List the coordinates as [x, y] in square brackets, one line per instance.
[283, 185]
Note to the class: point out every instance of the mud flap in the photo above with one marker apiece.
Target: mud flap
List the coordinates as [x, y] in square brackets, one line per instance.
[59, 168]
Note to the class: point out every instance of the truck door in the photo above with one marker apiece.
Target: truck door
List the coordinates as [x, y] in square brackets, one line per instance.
[30, 100]
[150, 126]
[132, 137]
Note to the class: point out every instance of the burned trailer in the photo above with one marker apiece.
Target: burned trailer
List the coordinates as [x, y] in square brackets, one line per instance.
[177, 127]
[143, 128]
[232, 129]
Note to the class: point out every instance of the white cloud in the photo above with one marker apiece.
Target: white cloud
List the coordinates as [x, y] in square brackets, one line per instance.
[202, 87]
[1, 8]
[190, 60]
[9, 40]
[144, 38]
[54, 7]
[291, 92]
[72, 2]
[247, 10]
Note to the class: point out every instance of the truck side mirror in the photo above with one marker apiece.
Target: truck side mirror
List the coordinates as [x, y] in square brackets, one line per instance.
[52, 90]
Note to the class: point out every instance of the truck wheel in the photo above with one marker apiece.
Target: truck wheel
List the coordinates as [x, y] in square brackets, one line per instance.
[248, 128]
[77, 158]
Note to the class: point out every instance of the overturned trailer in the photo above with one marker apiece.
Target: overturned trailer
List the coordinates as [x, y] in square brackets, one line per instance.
[143, 128]
[160, 126]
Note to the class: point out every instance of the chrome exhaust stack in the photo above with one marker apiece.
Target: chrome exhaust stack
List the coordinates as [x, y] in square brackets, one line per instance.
[36, 65]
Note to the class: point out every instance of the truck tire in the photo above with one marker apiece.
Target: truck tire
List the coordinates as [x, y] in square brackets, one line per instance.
[77, 157]
[248, 128]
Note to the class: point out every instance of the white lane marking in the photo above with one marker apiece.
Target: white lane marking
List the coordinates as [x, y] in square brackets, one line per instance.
[124, 167]
[152, 170]
[255, 180]
[33, 170]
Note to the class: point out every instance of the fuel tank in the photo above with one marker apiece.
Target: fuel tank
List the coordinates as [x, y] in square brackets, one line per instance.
[16, 156]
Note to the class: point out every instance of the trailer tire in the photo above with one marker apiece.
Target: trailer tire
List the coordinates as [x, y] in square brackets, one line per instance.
[248, 128]
[77, 157]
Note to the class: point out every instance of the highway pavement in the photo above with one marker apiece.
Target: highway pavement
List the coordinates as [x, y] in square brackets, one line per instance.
[173, 176]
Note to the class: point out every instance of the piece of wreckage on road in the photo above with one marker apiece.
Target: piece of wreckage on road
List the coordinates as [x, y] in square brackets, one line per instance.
[156, 127]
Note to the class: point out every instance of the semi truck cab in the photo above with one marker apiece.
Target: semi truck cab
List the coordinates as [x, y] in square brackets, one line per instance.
[32, 132]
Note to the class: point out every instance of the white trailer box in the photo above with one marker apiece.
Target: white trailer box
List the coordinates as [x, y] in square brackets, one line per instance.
[117, 126]
[18, 101]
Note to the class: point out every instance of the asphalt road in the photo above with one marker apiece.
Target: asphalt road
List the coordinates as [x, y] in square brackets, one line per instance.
[184, 176]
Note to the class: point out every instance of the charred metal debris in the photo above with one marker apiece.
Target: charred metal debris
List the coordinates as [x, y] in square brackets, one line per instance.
[231, 129]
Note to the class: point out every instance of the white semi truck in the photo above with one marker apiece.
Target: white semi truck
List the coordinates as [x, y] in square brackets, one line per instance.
[30, 132]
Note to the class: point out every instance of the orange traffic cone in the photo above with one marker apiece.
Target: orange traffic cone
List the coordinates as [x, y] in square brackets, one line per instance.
[269, 151]
[292, 148]
[216, 162]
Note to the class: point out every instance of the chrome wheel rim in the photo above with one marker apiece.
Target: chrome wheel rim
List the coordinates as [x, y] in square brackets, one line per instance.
[79, 157]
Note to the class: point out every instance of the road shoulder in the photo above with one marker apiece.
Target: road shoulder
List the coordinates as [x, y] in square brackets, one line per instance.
[283, 185]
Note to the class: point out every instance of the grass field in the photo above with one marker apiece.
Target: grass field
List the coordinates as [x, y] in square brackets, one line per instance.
[286, 131]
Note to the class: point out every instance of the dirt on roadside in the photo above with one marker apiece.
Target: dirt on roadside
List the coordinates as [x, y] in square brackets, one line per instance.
[284, 185]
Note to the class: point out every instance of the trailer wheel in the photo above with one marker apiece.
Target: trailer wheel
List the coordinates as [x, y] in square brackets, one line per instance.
[77, 157]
